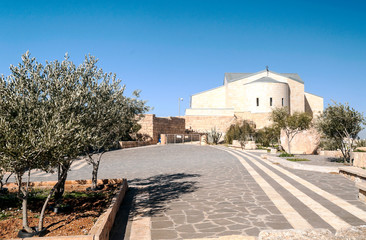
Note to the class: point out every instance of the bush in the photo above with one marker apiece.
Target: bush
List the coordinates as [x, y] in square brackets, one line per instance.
[268, 136]
[329, 144]
[297, 159]
[286, 155]
[241, 132]
[214, 136]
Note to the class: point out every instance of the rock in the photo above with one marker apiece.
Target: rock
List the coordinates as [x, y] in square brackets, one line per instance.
[352, 233]
[292, 234]
[305, 142]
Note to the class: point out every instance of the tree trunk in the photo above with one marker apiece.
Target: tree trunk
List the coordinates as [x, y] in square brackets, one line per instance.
[95, 169]
[289, 143]
[56, 186]
[24, 202]
[62, 175]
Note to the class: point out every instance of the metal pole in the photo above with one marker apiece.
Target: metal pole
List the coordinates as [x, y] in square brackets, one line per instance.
[179, 99]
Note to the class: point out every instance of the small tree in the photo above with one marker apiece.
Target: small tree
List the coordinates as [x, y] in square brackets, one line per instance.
[214, 136]
[291, 124]
[241, 132]
[110, 116]
[268, 136]
[341, 123]
[23, 125]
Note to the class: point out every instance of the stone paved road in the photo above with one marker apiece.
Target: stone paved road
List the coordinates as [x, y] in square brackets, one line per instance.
[188, 191]
[185, 191]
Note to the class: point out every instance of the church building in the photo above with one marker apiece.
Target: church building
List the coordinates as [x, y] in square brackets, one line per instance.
[252, 96]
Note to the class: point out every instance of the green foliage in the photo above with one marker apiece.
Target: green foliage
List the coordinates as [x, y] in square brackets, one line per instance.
[297, 159]
[50, 114]
[268, 136]
[329, 144]
[359, 150]
[214, 136]
[361, 143]
[241, 132]
[341, 123]
[291, 124]
[286, 155]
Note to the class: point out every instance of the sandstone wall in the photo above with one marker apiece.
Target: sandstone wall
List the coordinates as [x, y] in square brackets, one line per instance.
[359, 159]
[305, 142]
[261, 120]
[206, 123]
[210, 112]
[313, 104]
[333, 154]
[214, 98]
[297, 103]
[154, 126]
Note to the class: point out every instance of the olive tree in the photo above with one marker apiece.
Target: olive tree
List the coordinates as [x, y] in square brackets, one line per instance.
[23, 125]
[290, 124]
[240, 131]
[109, 114]
[341, 123]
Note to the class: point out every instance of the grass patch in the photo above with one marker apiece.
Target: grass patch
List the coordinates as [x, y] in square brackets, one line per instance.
[359, 150]
[297, 159]
[286, 155]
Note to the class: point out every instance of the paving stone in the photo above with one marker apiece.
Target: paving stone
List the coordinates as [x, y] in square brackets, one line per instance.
[193, 185]
[195, 218]
[179, 219]
[185, 228]
[213, 230]
[163, 234]
[238, 227]
[161, 224]
[201, 226]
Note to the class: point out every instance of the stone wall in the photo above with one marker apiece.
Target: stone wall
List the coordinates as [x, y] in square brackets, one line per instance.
[261, 120]
[305, 142]
[206, 123]
[152, 126]
[359, 159]
[333, 154]
[210, 112]
[213, 98]
[313, 104]
[132, 144]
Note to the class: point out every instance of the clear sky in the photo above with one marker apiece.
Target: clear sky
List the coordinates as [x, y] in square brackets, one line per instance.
[172, 49]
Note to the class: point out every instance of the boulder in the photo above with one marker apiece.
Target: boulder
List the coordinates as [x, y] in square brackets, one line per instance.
[305, 142]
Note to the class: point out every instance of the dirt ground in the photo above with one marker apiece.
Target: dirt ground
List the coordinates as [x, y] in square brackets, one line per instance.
[80, 210]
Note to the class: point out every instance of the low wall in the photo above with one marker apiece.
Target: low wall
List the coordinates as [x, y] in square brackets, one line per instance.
[132, 144]
[152, 126]
[359, 159]
[334, 154]
[204, 124]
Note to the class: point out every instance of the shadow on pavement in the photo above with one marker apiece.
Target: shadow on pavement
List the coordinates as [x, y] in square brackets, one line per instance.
[149, 197]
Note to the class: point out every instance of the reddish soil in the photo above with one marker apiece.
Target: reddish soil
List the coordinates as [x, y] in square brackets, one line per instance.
[82, 209]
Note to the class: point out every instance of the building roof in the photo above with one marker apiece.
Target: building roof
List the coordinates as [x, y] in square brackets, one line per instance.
[265, 80]
[232, 77]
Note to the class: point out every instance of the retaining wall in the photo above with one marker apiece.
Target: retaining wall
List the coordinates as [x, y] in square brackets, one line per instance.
[359, 159]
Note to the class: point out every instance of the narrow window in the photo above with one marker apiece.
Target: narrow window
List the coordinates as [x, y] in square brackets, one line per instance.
[270, 102]
[282, 102]
[257, 102]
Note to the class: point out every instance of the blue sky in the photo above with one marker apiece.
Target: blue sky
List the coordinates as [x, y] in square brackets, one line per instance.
[172, 49]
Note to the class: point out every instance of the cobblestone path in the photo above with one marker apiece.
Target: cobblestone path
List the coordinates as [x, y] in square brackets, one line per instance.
[207, 192]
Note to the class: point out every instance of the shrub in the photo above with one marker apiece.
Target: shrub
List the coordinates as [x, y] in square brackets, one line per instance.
[268, 136]
[285, 154]
[297, 159]
[241, 132]
[214, 136]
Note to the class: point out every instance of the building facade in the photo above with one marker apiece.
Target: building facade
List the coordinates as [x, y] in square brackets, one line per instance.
[253, 96]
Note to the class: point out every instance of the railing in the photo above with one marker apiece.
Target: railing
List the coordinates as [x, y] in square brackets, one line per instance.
[182, 138]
